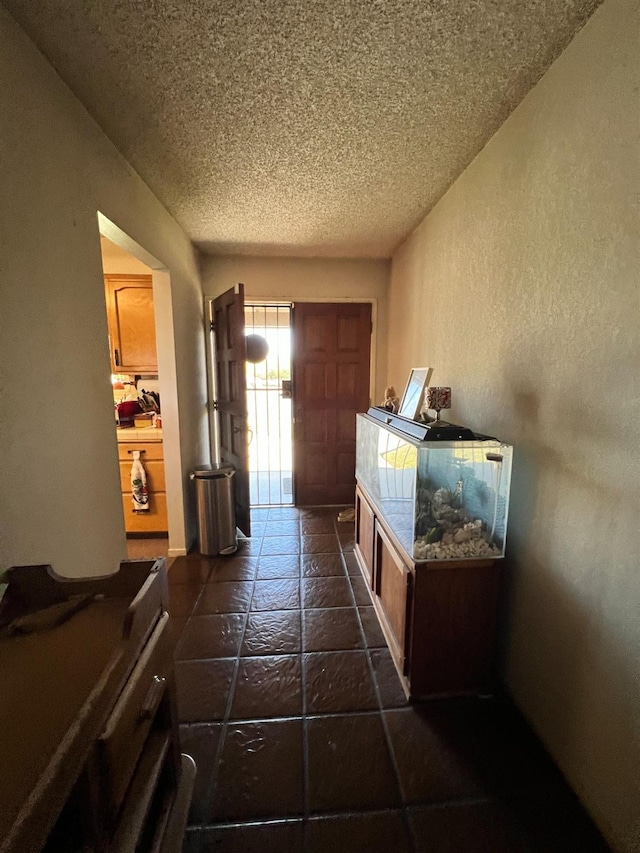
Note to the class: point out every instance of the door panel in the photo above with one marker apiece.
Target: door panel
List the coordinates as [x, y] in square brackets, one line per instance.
[231, 394]
[346, 426]
[316, 430]
[346, 465]
[347, 380]
[314, 329]
[315, 380]
[348, 334]
[331, 346]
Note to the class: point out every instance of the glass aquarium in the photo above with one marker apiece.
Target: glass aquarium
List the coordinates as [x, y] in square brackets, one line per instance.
[444, 500]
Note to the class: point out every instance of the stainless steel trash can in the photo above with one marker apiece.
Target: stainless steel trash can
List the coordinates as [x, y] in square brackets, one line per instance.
[215, 498]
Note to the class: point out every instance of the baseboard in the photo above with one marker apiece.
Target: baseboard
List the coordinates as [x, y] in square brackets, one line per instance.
[182, 552]
[176, 552]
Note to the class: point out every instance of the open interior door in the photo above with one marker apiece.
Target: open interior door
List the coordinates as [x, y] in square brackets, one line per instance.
[231, 394]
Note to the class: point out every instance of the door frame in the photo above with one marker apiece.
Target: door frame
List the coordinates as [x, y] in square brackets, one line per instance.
[284, 299]
[288, 306]
[167, 377]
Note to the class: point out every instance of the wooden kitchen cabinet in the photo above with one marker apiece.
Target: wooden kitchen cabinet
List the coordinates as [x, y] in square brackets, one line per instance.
[152, 457]
[88, 729]
[438, 616]
[131, 323]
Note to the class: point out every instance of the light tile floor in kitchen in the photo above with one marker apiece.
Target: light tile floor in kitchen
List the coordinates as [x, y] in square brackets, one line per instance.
[147, 547]
[290, 704]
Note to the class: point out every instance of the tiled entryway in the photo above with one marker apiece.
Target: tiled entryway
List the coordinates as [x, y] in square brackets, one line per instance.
[291, 707]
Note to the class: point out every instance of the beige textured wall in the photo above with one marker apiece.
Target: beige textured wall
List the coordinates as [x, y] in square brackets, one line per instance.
[60, 497]
[521, 289]
[307, 279]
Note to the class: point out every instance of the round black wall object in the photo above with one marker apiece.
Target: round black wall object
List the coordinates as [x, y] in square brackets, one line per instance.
[257, 348]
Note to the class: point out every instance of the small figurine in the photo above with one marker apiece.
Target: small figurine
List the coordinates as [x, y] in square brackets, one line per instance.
[391, 402]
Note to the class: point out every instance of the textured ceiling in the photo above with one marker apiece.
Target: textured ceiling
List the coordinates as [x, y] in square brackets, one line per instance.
[300, 127]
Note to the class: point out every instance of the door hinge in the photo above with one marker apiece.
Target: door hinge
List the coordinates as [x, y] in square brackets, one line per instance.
[215, 405]
[212, 326]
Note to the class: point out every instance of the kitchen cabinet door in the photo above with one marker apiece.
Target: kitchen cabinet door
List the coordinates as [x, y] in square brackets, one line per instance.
[151, 455]
[152, 521]
[131, 321]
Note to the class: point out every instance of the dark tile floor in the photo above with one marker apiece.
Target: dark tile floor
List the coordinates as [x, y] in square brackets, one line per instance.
[290, 704]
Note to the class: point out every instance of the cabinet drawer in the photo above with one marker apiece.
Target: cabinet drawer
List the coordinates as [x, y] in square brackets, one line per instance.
[153, 521]
[128, 726]
[154, 470]
[150, 450]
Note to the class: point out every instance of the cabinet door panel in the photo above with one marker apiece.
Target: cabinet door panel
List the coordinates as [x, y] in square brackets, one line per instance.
[393, 590]
[455, 630]
[131, 324]
[364, 534]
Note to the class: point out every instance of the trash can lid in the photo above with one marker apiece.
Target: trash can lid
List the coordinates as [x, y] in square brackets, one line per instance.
[218, 469]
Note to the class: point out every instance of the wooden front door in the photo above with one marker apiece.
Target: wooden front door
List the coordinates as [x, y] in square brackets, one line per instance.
[231, 394]
[331, 352]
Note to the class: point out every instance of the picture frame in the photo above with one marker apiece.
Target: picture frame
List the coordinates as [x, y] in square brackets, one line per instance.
[413, 396]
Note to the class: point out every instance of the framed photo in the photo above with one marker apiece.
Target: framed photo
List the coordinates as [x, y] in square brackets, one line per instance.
[413, 396]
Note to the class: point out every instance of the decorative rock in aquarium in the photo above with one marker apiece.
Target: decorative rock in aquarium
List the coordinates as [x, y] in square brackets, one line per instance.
[451, 535]
[446, 549]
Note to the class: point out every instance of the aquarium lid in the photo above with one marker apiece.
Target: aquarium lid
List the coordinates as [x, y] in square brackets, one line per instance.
[443, 431]
[431, 431]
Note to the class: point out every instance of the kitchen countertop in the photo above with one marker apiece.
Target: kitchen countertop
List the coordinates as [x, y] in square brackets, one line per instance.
[139, 434]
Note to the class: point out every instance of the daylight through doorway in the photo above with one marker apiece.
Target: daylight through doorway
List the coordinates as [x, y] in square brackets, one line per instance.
[269, 407]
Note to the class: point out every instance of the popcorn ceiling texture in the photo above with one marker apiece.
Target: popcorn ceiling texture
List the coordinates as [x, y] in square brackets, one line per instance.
[289, 127]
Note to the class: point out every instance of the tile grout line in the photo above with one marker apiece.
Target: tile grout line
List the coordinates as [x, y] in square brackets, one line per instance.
[307, 812]
[197, 827]
[305, 722]
[225, 719]
[213, 772]
[404, 808]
